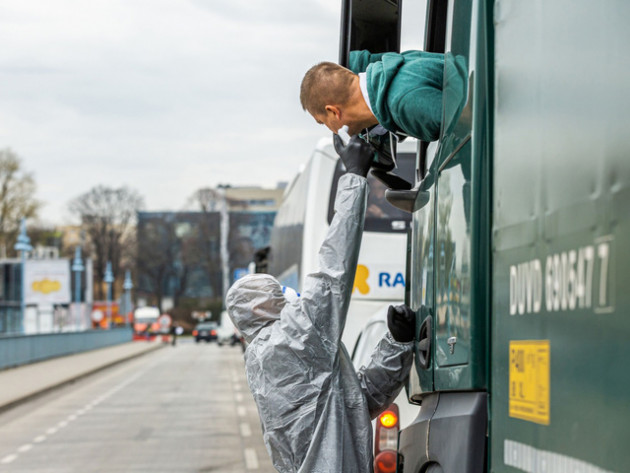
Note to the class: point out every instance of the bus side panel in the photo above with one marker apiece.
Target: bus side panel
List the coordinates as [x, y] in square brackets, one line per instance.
[561, 228]
[286, 235]
[317, 201]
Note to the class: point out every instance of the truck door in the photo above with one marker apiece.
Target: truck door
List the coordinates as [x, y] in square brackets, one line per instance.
[460, 216]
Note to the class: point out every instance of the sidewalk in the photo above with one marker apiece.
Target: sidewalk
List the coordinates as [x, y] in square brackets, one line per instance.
[26, 382]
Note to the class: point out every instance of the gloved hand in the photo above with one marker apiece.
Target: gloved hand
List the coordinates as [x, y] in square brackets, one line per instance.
[401, 321]
[356, 156]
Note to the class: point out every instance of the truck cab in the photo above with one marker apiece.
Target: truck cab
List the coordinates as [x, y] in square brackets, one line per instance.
[517, 248]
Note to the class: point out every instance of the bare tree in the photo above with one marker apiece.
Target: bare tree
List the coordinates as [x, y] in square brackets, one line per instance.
[108, 217]
[17, 197]
[210, 200]
[155, 258]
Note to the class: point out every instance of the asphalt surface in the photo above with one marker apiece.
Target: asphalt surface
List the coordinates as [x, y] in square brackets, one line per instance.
[164, 409]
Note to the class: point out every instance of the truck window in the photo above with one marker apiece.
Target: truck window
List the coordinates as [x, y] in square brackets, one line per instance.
[380, 215]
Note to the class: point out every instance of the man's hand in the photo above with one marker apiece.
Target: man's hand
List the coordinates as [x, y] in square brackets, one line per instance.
[401, 321]
[356, 156]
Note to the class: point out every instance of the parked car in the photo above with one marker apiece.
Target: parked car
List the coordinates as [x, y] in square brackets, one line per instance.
[227, 333]
[207, 331]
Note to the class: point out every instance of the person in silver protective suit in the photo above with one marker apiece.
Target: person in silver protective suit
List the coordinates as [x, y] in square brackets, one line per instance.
[315, 409]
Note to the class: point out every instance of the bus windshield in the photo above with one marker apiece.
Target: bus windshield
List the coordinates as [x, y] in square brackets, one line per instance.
[380, 215]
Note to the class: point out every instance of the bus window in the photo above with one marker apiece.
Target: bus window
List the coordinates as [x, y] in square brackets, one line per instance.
[380, 215]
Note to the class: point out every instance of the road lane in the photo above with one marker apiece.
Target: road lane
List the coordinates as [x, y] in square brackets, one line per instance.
[180, 409]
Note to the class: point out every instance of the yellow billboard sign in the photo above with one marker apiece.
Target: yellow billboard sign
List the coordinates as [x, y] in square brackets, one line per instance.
[47, 281]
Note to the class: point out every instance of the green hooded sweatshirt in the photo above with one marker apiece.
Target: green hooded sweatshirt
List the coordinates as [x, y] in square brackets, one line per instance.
[405, 90]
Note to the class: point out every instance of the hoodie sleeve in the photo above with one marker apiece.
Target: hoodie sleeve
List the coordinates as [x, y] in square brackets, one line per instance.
[383, 378]
[326, 293]
[405, 92]
[359, 60]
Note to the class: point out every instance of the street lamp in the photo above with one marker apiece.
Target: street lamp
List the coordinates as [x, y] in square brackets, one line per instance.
[109, 279]
[78, 268]
[127, 286]
[223, 244]
[23, 245]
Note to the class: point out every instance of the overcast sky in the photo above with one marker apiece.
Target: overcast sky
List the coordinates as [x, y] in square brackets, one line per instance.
[164, 96]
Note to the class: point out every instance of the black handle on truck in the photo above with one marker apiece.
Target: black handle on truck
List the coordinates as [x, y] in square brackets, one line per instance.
[424, 338]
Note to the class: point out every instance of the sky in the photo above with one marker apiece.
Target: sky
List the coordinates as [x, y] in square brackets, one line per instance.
[162, 96]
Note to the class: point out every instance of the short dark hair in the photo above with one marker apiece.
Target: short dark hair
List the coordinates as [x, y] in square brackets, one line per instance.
[324, 84]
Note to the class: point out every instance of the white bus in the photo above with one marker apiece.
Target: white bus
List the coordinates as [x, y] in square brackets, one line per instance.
[303, 219]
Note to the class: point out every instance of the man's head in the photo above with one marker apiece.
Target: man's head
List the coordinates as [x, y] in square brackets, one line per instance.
[332, 95]
[253, 302]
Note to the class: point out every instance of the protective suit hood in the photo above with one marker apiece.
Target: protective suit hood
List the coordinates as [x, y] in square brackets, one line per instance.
[254, 302]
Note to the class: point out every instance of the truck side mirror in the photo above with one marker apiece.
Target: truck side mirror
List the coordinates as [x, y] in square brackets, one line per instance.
[369, 24]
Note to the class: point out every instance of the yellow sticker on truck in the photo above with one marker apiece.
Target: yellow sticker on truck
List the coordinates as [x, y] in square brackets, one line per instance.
[529, 380]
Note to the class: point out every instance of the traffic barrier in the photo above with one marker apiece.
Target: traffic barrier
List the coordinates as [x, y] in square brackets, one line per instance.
[17, 350]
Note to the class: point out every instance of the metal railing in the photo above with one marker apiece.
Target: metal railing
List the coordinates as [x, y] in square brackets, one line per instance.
[16, 350]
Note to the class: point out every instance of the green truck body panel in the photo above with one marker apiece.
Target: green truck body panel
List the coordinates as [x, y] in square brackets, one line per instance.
[561, 233]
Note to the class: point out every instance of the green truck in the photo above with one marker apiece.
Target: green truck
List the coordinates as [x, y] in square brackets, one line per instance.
[520, 243]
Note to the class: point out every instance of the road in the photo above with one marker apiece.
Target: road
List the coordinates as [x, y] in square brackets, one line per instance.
[179, 409]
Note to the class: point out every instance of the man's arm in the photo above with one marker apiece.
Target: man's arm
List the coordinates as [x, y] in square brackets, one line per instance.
[383, 378]
[326, 293]
[358, 61]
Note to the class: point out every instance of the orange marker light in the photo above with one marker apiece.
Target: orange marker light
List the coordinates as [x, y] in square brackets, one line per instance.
[385, 462]
[388, 419]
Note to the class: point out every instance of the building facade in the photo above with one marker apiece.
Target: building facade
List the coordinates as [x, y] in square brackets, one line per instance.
[190, 258]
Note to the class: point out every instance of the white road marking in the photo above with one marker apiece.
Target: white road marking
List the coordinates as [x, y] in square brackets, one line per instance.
[8, 459]
[246, 430]
[237, 387]
[241, 411]
[251, 459]
[25, 448]
[238, 397]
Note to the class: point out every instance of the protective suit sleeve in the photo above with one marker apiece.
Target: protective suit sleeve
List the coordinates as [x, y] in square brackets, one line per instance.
[326, 293]
[383, 378]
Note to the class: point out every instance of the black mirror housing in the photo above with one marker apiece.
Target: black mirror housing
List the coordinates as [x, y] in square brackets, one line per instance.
[369, 24]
